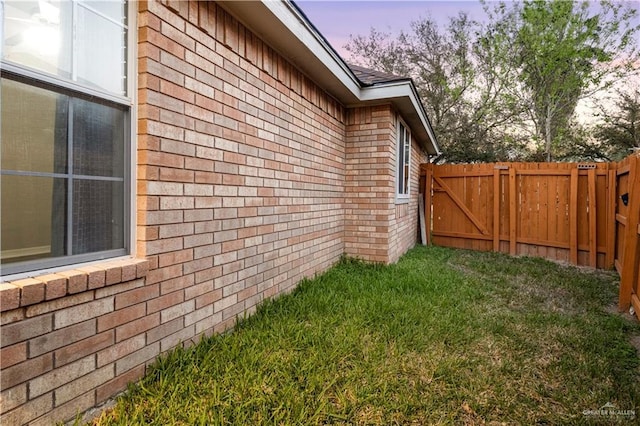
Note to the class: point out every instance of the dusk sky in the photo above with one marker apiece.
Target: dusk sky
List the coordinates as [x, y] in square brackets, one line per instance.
[337, 20]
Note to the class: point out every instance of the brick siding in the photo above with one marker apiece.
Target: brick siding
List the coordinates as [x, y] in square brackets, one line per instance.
[370, 182]
[376, 227]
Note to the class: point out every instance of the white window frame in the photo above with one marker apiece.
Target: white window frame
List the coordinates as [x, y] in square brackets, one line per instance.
[403, 183]
[55, 83]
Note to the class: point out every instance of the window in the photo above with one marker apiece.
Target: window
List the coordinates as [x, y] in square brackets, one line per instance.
[403, 162]
[66, 132]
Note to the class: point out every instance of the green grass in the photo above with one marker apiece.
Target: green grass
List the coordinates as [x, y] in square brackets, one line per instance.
[443, 337]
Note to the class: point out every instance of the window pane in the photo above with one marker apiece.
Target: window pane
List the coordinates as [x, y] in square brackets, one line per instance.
[33, 218]
[98, 216]
[101, 52]
[406, 179]
[114, 9]
[34, 128]
[401, 159]
[98, 139]
[38, 34]
[407, 148]
[63, 177]
[407, 156]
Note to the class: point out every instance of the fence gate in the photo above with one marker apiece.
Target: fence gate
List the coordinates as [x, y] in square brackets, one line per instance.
[580, 213]
[559, 211]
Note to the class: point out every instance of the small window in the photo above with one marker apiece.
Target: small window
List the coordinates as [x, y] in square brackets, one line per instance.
[404, 161]
[65, 131]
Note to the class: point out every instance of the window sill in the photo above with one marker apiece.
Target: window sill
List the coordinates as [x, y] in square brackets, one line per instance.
[403, 200]
[40, 288]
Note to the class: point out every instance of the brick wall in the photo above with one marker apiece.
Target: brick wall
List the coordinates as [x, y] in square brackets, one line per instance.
[250, 178]
[241, 167]
[70, 340]
[370, 181]
[377, 228]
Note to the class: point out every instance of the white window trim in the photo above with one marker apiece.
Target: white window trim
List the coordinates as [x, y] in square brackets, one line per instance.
[402, 198]
[132, 92]
[130, 157]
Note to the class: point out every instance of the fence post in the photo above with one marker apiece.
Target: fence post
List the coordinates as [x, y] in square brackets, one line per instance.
[629, 274]
[593, 232]
[611, 218]
[573, 216]
[513, 212]
[427, 202]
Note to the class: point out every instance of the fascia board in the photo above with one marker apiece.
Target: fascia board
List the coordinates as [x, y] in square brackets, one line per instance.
[306, 34]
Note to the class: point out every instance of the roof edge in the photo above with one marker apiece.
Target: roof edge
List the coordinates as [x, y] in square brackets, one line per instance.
[404, 89]
[284, 25]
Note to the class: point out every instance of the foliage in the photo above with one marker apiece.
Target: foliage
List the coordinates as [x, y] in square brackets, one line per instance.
[578, 144]
[442, 337]
[564, 51]
[454, 75]
[620, 132]
[508, 89]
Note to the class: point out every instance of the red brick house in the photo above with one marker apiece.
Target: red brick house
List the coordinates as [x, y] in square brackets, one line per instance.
[142, 213]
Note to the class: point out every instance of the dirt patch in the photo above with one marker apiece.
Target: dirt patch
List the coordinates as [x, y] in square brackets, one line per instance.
[613, 310]
[635, 342]
[465, 269]
[546, 297]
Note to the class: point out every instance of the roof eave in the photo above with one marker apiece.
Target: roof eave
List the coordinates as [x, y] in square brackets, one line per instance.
[403, 95]
[285, 27]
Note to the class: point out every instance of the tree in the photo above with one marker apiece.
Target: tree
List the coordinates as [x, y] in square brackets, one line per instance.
[453, 74]
[491, 89]
[619, 135]
[565, 51]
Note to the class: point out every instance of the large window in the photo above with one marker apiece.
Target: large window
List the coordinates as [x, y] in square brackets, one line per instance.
[403, 162]
[65, 133]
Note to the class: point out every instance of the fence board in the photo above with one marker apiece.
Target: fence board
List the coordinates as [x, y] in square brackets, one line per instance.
[573, 217]
[611, 220]
[512, 212]
[592, 213]
[496, 209]
[569, 212]
[630, 255]
[552, 210]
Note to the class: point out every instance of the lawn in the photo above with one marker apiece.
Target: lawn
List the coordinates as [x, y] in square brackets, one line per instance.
[442, 337]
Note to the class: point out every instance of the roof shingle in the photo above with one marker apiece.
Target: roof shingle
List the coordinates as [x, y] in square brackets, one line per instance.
[370, 77]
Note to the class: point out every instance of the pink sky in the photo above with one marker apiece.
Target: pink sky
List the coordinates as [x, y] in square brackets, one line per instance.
[337, 20]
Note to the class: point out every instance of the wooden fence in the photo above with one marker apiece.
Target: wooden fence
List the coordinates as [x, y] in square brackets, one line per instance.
[578, 213]
[627, 225]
